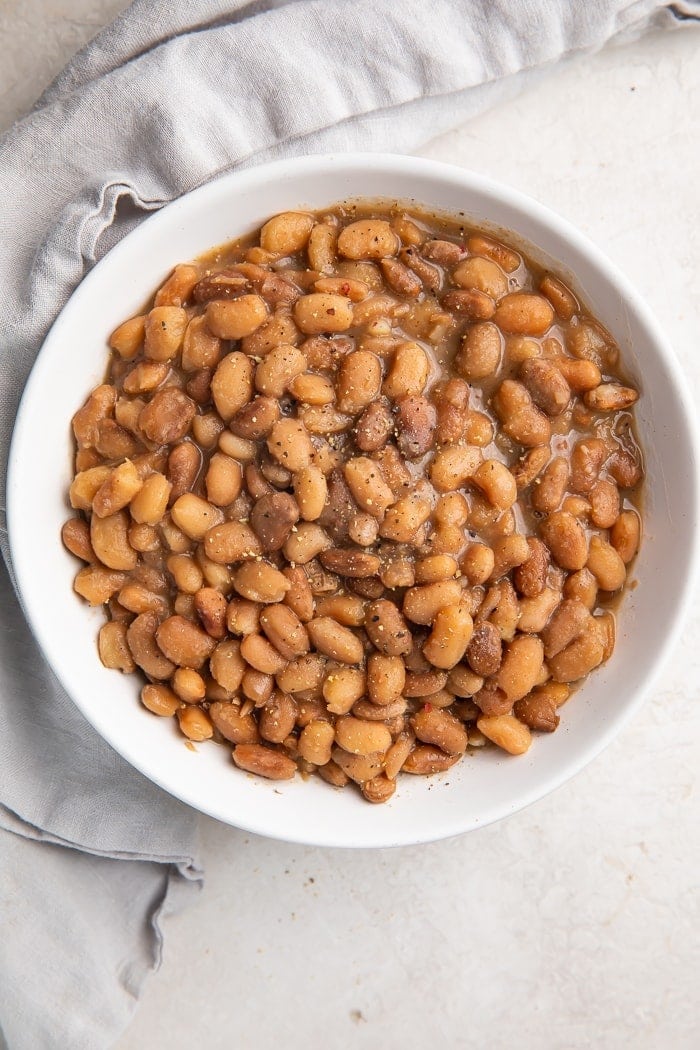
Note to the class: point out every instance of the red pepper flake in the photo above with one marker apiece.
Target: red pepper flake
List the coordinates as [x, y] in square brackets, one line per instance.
[331, 311]
[345, 288]
[427, 707]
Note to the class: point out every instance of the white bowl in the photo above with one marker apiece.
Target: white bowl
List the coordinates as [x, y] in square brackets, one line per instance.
[481, 788]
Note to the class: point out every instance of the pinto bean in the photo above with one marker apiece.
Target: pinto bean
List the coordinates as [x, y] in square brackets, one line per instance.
[415, 423]
[547, 386]
[374, 426]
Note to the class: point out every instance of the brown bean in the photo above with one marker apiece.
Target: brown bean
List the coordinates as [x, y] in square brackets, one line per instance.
[484, 650]
[537, 711]
[400, 279]
[477, 563]
[521, 419]
[234, 727]
[127, 338]
[587, 458]
[167, 417]
[549, 489]
[426, 759]
[316, 742]
[141, 639]
[521, 666]
[470, 303]
[184, 464]
[359, 768]
[580, 375]
[530, 577]
[75, 535]
[415, 425]
[352, 563]
[273, 518]
[366, 482]
[480, 352]
[580, 657]
[210, 607]
[320, 312]
[565, 624]
[230, 542]
[387, 628]
[374, 426]
[496, 482]
[114, 649]
[547, 386]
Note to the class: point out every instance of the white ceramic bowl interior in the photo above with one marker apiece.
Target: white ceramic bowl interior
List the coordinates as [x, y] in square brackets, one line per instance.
[483, 787]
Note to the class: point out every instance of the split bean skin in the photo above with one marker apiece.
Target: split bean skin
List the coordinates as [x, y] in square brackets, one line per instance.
[360, 493]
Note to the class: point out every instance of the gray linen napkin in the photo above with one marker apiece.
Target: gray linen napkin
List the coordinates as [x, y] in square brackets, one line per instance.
[91, 854]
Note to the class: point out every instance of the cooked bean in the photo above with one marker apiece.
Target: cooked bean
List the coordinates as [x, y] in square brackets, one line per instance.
[605, 503]
[425, 760]
[149, 504]
[75, 535]
[496, 482]
[581, 376]
[188, 685]
[210, 607]
[524, 313]
[286, 233]
[306, 543]
[610, 397]
[255, 758]
[334, 640]
[184, 464]
[260, 582]
[403, 520]
[141, 639]
[536, 611]
[195, 516]
[422, 604]
[110, 541]
[450, 636]
[520, 667]
[235, 318]
[114, 649]
[367, 485]
[477, 563]
[507, 732]
[320, 312]
[386, 677]
[400, 279]
[566, 539]
[441, 729]
[311, 491]
[367, 239]
[159, 700]
[342, 688]
[408, 373]
[183, 642]
[167, 417]
[484, 650]
[195, 724]
[127, 338]
[603, 561]
[259, 653]
[624, 535]
[522, 420]
[453, 465]
[359, 737]
[164, 329]
[289, 443]
[415, 424]
[436, 567]
[565, 624]
[580, 657]
[285, 630]
[547, 386]
[530, 576]
[549, 489]
[587, 458]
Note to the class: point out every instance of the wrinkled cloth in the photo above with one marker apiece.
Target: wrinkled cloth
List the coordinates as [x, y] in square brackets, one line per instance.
[92, 855]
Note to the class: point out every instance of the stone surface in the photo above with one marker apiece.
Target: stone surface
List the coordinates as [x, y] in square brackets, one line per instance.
[575, 923]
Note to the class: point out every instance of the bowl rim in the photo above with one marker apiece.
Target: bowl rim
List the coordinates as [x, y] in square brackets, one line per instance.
[234, 183]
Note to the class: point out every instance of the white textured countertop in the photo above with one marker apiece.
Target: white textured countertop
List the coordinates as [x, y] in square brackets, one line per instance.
[574, 924]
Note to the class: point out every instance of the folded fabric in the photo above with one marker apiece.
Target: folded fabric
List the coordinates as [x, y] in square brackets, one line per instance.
[92, 854]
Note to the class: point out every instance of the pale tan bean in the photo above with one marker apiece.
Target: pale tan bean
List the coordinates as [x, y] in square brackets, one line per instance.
[483, 274]
[363, 529]
[195, 516]
[316, 742]
[114, 649]
[232, 384]
[200, 348]
[312, 389]
[286, 233]
[580, 375]
[480, 352]
[334, 640]
[143, 378]
[408, 373]
[277, 718]
[348, 609]
[624, 535]
[227, 665]
[524, 313]
[224, 480]
[536, 611]
[610, 397]
[276, 372]
[379, 789]
[521, 419]
[164, 330]
[232, 724]
[386, 677]
[324, 419]
[285, 631]
[603, 561]
[403, 520]
[507, 259]
[436, 567]
[321, 247]
[477, 563]
[110, 541]
[137, 598]
[75, 535]
[150, 503]
[195, 724]
[178, 287]
[141, 638]
[127, 338]
[84, 486]
[235, 318]
[299, 597]
[449, 638]
[520, 668]
[549, 489]
[117, 491]
[236, 447]
[290, 445]
[496, 482]
[359, 380]
[259, 653]
[587, 458]
[422, 604]
[303, 545]
[398, 753]
[360, 737]
[182, 642]
[462, 681]
[144, 538]
[565, 624]
[264, 762]
[441, 729]
[566, 539]
[506, 732]
[368, 486]
[260, 582]
[387, 628]
[582, 585]
[359, 768]
[509, 552]
[560, 296]
[356, 291]
[320, 312]
[580, 657]
[368, 239]
[188, 685]
[159, 700]
[342, 688]
[605, 503]
[453, 465]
